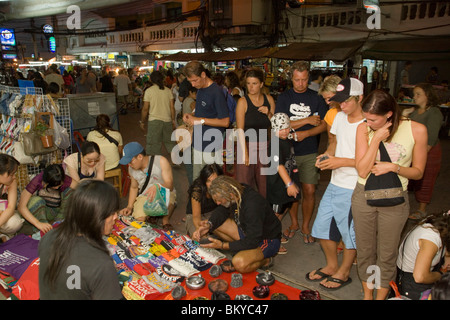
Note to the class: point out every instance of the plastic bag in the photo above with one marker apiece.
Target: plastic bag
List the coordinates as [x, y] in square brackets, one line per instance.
[60, 135]
[158, 207]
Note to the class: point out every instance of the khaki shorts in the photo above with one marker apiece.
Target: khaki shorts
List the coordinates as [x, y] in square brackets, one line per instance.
[12, 225]
[308, 172]
[138, 208]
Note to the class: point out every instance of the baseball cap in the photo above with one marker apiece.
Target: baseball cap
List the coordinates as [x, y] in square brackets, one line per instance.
[347, 88]
[130, 150]
[280, 121]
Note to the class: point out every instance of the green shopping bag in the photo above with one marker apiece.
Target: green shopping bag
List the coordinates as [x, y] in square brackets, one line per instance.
[158, 207]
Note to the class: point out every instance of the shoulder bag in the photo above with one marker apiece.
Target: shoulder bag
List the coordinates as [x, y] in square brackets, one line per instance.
[385, 190]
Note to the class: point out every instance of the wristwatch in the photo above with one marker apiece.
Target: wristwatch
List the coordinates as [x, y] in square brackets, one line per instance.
[202, 121]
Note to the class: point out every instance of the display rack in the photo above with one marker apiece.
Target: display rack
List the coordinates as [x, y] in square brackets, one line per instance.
[10, 134]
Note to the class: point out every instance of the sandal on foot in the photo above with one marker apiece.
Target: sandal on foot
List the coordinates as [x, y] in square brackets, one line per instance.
[269, 264]
[291, 233]
[282, 250]
[418, 215]
[307, 238]
[342, 283]
[319, 273]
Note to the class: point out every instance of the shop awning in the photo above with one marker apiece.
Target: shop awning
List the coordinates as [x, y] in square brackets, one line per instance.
[408, 49]
[317, 51]
[221, 56]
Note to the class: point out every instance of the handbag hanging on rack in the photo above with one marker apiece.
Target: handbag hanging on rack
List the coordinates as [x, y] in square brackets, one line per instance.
[385, 190]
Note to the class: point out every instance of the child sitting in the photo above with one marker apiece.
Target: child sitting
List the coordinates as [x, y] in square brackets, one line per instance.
[282, 187]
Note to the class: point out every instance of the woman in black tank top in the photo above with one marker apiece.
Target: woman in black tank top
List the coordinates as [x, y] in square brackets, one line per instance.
[253, 113]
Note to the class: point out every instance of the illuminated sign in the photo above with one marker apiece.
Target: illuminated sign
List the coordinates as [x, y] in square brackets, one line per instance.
[9, 56]
[47, 28]
[7, 37]
[52, 44]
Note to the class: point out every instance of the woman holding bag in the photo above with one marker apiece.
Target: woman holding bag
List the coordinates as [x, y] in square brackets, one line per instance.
[378, 229]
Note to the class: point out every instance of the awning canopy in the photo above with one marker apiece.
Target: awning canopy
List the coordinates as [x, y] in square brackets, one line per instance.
[408, 49]
[221, 56]
[336, 51]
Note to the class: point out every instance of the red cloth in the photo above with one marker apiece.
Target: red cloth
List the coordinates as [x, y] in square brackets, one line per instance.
[423, 188]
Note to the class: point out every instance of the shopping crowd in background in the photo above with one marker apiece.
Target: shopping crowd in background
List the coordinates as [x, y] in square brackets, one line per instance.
[242, 214]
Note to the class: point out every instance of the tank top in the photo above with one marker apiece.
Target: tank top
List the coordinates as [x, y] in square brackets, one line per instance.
[141, 175]
[400, 149]
[255, 119]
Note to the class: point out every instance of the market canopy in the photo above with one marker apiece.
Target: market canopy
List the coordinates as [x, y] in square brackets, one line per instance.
[317, 51]
[408, 49]
[221, 56]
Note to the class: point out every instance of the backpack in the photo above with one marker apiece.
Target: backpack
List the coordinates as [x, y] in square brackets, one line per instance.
[231, 103]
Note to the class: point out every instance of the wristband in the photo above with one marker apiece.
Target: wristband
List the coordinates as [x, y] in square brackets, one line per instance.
[289, 184]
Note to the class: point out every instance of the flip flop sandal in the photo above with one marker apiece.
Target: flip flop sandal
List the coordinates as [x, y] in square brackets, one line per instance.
[342, 283]
[282, 250]
[318, 272]
[285, 238]
[418, 215]
[307, 238]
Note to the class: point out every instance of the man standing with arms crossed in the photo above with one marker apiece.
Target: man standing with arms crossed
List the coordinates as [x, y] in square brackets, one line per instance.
[211, 112]
[306, 110]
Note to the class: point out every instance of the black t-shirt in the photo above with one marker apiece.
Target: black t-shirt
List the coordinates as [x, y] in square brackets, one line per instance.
[276, 189]
[107, 84]
[256, 219]
[98, 276]
[207, 203]
[299, 106]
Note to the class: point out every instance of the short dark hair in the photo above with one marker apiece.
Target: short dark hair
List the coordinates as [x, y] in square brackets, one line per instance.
[53, 175]
[8, 164]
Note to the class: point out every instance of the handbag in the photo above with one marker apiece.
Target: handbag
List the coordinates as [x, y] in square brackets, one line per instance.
[19, 153]
[385, 190]
[52, 197]
[32, 144]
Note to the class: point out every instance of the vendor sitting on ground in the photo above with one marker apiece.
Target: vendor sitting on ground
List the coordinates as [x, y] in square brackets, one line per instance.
[252, 233]
[143, 190]
[43, 200]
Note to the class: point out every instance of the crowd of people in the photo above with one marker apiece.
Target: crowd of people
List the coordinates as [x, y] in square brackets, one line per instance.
[242, 214]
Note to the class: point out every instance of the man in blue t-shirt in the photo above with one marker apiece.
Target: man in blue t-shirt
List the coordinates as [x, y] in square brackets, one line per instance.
[306, 110]
[210, 120]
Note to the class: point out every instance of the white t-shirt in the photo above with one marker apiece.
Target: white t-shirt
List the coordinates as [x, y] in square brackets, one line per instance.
[425, 232]
[122, 81]
[141, 175]
[345, 132]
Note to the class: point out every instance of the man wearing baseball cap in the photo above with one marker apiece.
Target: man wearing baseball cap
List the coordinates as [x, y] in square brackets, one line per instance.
[348, 87]
[143, 189]
[334, 220]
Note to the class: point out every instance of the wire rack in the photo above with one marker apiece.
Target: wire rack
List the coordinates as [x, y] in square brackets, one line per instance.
[61, 113]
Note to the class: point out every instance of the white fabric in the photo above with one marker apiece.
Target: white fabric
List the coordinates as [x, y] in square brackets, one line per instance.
[407, 258]
[345, 132]
[121, 82]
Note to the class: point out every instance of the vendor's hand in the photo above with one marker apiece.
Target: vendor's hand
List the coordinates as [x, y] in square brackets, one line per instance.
[292, 190]
[125, 211]
[142, 126]
[382, 167]
[44, 227]
[214, 244]
[314, 120]
[201, 230]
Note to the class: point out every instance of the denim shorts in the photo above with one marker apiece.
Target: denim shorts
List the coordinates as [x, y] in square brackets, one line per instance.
[334, 217]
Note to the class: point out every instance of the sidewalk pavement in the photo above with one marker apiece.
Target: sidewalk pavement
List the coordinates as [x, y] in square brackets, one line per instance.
[301, 258]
